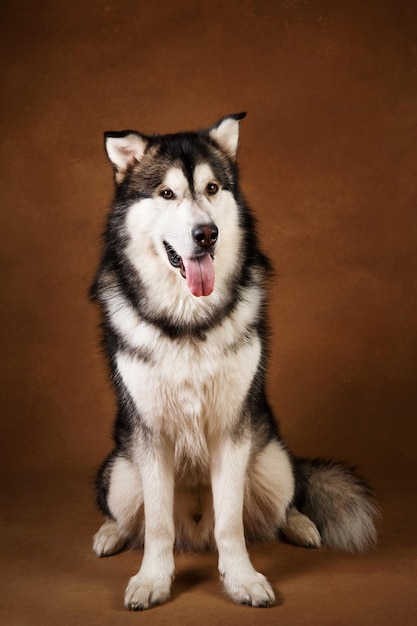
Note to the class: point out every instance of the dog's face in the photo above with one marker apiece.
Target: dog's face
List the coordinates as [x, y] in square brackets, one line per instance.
[179, 194]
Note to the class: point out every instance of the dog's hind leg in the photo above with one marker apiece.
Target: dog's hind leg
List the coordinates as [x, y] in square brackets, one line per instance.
[108, 540]
[300, 530]
[123, 501]
[269, 493]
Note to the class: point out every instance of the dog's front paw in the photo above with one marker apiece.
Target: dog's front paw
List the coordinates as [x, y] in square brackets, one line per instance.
[252, 589]
[144, 592]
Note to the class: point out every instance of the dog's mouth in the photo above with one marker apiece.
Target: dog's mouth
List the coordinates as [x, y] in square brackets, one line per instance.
[198, 271]
[175, 259]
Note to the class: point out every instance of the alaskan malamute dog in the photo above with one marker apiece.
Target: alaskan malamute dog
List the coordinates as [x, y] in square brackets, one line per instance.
[198, 461]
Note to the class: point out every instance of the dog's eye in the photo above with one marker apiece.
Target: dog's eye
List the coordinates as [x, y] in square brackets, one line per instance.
[167, 194]
[212, 189]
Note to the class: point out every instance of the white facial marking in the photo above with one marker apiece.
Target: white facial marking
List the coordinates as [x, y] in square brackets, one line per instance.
[203, 174]
[176, 181]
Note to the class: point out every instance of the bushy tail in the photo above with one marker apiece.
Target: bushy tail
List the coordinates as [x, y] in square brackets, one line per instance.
[338, 501]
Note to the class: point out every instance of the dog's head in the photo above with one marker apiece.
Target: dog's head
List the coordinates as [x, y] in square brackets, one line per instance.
[179, 196]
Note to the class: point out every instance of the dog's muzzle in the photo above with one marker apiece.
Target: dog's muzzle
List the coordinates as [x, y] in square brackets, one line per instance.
[197, 270]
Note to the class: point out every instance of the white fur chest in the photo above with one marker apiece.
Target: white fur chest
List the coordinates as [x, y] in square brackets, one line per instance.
[190, 386]
[188, 390]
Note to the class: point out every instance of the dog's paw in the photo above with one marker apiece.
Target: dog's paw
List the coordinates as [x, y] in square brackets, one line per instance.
[108, 540]
[252, 590]
[301, 531]
[142, 592]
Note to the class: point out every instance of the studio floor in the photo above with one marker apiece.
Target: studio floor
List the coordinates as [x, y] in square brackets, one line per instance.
[50, 575]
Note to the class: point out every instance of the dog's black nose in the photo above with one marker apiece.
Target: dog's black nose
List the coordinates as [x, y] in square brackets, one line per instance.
[205, 235]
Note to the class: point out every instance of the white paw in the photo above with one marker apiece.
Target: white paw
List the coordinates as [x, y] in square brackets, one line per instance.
[108, 540]
[253, 590]
[144, 592]
[301, 531]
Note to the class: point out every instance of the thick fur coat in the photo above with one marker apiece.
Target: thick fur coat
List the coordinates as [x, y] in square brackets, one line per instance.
[198, 461]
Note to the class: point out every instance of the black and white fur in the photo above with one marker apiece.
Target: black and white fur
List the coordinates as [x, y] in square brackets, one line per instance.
[198, 461]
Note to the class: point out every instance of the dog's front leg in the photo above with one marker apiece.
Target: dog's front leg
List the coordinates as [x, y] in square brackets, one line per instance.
[242, 582]
[152, 584]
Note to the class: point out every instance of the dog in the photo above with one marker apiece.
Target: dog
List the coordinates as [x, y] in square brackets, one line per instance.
[198, 461]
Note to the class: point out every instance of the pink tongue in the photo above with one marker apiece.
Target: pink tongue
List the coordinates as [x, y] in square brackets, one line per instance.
[200, 275]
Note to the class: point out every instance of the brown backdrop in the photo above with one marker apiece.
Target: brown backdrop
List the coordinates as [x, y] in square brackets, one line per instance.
[328, 159]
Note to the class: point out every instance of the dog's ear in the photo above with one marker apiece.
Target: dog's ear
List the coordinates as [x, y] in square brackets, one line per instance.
[226, 133]
[124, 149]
